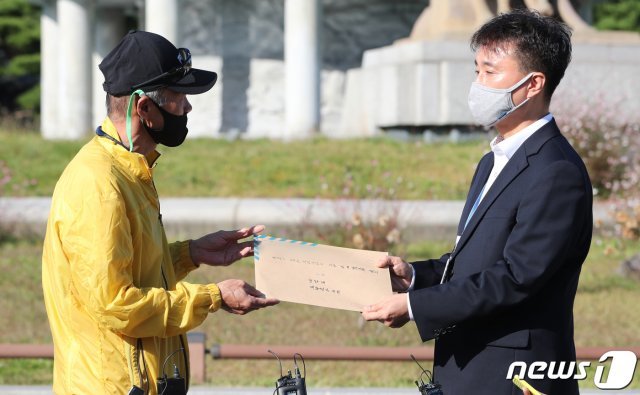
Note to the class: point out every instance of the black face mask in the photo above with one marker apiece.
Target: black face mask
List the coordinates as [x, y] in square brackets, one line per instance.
[174, 131]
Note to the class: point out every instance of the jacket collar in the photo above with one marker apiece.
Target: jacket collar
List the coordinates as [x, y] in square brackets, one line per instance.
[518, 162]
[141, 165]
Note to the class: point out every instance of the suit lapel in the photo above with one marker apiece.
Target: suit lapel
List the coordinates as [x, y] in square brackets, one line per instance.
[518, 162]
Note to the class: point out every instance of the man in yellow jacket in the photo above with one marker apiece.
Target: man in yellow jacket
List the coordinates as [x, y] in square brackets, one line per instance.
[117, 306]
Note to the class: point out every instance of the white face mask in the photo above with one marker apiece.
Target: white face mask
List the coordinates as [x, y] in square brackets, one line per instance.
[490, 105]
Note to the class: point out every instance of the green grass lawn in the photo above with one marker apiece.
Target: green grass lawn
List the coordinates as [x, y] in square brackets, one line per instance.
[263, 168]
[606, 314]
[605, 309]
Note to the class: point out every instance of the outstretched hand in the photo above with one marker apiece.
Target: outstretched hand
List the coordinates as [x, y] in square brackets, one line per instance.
[222, 248]
[238, 297]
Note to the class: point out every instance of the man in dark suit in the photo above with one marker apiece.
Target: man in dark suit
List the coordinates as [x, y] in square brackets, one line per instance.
[505, 293]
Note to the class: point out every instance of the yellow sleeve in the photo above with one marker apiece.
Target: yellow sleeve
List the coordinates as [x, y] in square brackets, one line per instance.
[183, 265]
[97, 242]
[181, 257]
[216, 297]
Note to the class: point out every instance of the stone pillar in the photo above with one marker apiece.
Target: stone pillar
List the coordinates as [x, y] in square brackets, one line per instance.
[161, 17]
[302, 24]
[110, 27]
[49, 70]
[74, 68]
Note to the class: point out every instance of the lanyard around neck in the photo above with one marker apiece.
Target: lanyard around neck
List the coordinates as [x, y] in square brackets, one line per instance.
[101, 133]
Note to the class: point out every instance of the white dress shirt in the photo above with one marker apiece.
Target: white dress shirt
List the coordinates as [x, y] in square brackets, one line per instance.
[503, 150]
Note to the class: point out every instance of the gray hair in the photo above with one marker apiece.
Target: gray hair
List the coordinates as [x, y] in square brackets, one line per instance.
[117, 105]
[159, 96]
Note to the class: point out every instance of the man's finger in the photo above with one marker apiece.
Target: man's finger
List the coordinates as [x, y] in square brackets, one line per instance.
[252, 230]
[245, 249]
[232, 235]
[372, 313]
[372, 316]
[264, 302]
[260, 297]
[384, 262]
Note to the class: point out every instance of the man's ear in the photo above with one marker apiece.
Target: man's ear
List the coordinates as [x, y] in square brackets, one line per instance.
[536, 85]
[143, 106]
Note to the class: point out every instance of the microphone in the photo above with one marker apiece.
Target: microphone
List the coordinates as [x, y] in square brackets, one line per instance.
[430, 387]
[291, 384]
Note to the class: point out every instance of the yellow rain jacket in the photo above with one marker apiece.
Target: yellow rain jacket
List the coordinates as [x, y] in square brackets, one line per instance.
[112, 284]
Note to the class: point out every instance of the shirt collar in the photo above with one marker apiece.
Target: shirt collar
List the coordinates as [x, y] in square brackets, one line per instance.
[507, 147]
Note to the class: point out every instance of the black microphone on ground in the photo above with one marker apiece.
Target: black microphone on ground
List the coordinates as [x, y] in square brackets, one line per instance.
[291, 384]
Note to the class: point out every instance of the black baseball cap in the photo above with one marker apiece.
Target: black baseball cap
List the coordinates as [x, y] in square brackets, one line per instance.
[148, 61]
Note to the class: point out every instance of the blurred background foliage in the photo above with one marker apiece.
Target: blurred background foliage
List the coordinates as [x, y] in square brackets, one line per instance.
[617, 15]
[19, 58]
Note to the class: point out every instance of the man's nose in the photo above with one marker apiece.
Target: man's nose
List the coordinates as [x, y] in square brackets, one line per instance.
[187, 106]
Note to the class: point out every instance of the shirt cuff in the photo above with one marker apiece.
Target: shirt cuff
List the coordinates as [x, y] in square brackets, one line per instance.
[413, 279]
[411, 287]
[216, 298]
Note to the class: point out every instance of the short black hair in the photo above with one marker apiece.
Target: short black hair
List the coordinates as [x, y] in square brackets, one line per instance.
[540, 43]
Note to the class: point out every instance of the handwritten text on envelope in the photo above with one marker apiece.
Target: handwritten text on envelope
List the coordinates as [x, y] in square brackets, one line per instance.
[319, 275]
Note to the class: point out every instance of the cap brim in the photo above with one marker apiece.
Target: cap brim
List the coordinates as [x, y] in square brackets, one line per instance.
[195, 82]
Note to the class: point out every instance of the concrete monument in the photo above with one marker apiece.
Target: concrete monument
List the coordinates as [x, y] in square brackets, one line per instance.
[422, 81]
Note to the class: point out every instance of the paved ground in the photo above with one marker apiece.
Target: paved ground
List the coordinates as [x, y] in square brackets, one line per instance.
[192, 217]
[185, 218]
[279, 211]
[42, 390]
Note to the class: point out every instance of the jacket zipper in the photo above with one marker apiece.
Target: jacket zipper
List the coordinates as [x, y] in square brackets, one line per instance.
[166, 287]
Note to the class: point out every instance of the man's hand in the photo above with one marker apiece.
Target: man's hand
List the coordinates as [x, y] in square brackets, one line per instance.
[401, 272]
[527, 392]
[222, 248]
[393, 311]
[241, 298]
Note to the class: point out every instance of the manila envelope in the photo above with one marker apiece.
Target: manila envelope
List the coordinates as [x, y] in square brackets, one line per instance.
[319, 275]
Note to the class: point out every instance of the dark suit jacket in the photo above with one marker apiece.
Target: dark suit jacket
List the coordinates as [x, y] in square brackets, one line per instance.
[515, 274]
